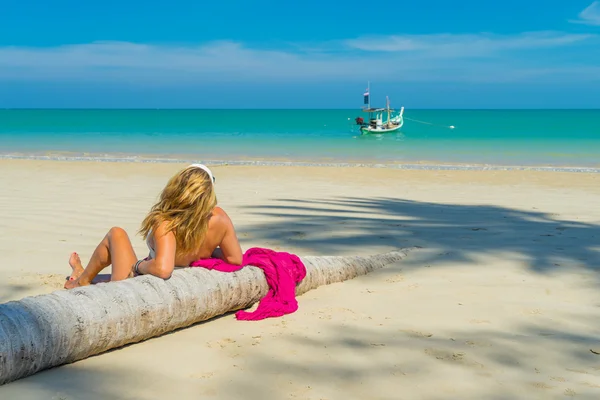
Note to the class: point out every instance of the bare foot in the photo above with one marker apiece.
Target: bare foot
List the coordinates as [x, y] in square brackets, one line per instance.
[71, 284]
[75, 263]
[75, 283]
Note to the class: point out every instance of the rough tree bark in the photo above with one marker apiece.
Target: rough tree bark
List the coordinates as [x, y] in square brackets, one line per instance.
[49, 330]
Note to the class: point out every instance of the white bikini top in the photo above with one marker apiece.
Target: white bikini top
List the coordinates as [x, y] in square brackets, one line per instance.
[152, 252]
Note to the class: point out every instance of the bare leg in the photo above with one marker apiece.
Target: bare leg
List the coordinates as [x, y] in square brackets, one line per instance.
[115, 249]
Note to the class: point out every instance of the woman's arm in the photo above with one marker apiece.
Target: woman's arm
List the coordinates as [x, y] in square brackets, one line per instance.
[229, 249]
[164, 245]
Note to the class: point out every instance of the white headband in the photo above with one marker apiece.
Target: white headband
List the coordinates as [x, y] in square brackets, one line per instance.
[205, 168]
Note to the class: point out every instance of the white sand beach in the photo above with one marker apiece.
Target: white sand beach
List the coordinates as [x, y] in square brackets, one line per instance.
[501, 302]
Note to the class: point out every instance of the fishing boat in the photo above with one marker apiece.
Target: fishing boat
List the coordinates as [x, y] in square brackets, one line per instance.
[376, 124]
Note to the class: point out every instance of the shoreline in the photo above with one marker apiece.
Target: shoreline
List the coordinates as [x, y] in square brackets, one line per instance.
[425, 165]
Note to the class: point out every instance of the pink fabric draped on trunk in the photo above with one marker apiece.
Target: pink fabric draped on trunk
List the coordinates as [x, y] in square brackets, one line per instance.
[283, 272]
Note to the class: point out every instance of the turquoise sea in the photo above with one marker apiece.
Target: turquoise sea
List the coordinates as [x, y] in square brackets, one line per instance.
[557, 138]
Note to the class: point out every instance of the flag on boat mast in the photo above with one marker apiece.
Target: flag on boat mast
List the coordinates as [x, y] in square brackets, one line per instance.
[366, 95]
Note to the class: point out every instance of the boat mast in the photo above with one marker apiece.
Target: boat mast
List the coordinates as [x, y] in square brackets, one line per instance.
[387, 99]
[368, 99]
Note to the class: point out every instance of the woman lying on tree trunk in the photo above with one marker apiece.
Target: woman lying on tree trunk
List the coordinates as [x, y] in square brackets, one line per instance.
[185, 225]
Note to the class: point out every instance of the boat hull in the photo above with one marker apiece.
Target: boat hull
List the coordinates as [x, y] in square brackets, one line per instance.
[366, 130]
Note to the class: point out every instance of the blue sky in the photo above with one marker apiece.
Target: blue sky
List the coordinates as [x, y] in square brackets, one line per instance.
[423, 54]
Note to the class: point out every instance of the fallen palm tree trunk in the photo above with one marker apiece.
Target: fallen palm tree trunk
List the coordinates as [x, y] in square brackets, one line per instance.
[49, 330]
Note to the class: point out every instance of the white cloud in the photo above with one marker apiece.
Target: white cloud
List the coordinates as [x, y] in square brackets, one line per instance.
[466, 45]
[589, 16]
[108, 59]
[477, 57]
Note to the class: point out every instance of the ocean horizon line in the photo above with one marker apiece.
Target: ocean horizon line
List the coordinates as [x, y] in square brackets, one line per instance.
[277, 109]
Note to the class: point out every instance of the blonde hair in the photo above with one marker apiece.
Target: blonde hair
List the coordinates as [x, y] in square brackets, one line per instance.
[185, 204]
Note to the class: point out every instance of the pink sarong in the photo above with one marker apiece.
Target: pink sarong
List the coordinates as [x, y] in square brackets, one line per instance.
[283, 272]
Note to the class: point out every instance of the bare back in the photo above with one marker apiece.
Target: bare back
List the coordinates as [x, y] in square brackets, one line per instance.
[220, 234]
